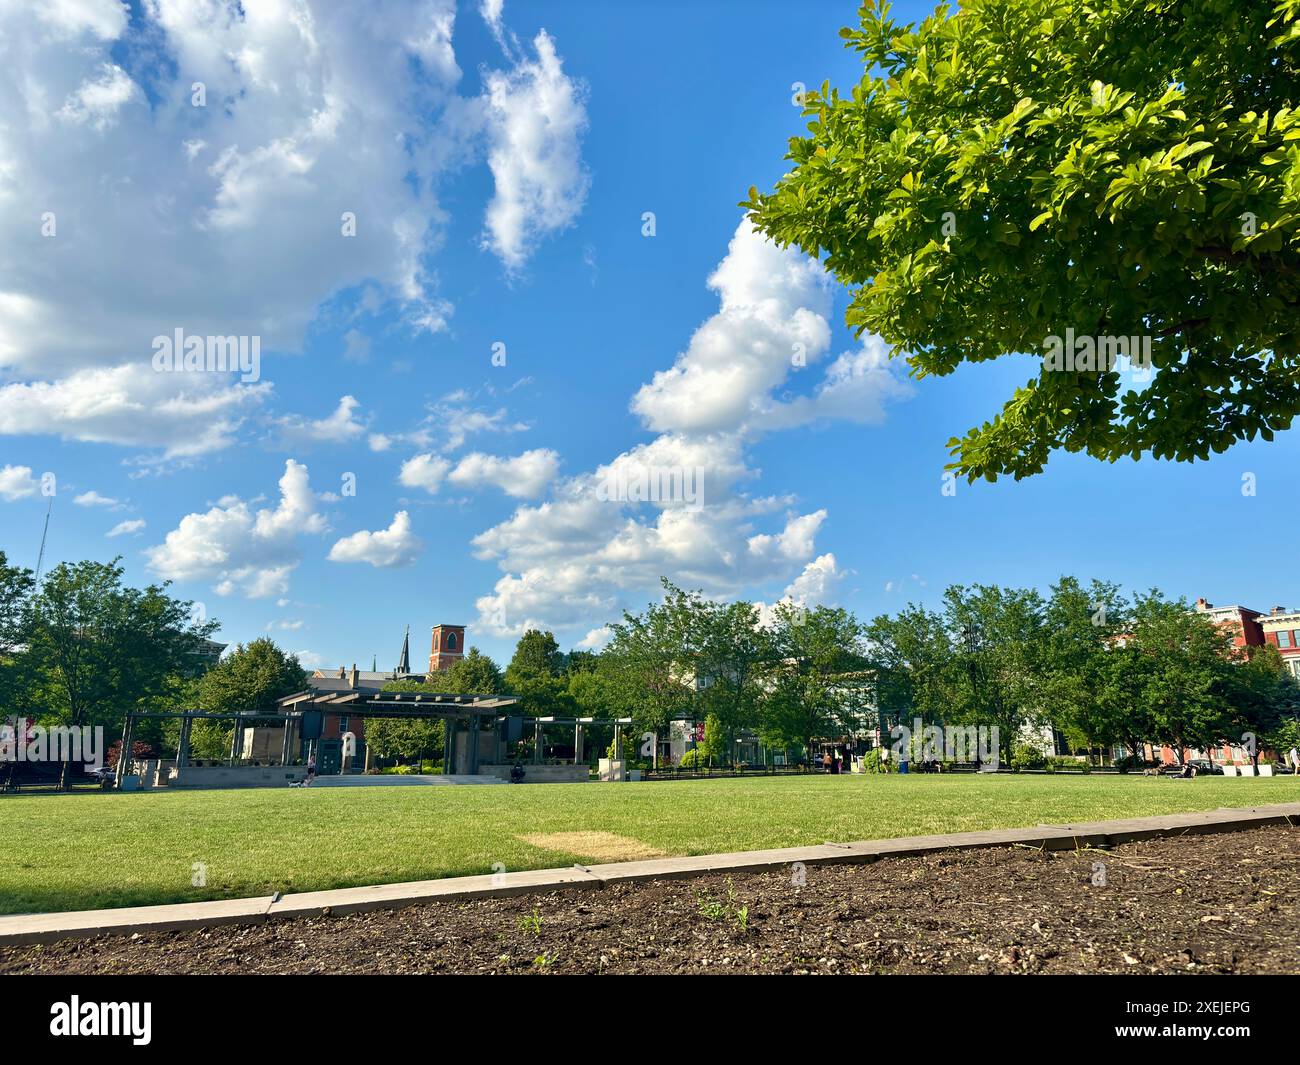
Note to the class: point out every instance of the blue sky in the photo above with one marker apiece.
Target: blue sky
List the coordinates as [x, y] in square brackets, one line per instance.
[499, 180]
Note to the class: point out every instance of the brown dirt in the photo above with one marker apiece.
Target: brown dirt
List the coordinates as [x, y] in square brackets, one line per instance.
[1196, 904]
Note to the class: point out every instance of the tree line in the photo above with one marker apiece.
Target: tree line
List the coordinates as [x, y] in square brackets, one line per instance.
[1098, 668]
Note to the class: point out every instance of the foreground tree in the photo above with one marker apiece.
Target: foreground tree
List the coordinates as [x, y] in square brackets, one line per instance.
[1011, 169]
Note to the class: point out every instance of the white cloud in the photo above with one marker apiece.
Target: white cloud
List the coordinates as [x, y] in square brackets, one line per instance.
[98, 99]
[184, 414]
[94, 499]
[424, 471]
[773, 323]
[17, 482]
[310, 660]
[244, 551]
[126, 528]
[449, 423]
[337, 428]
[595, 639]
[391, 547]
[580, 557]
[536, 116]
[228, 218]
[524, 476]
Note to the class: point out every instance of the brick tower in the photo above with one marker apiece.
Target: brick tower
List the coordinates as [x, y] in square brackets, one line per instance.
[448, 647]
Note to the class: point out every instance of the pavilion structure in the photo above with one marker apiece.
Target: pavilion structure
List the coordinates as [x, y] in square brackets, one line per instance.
[471, 720]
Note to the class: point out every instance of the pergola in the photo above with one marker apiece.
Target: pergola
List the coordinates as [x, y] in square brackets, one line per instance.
[579, 725]
[459, 711]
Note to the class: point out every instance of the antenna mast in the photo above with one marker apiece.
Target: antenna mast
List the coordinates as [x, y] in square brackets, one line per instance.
[40, 558]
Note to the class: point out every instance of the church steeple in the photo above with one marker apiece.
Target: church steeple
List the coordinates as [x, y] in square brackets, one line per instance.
[404, 663]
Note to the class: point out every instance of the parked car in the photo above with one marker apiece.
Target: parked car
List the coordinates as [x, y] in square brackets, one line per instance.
[1204, 766]
[104, 776]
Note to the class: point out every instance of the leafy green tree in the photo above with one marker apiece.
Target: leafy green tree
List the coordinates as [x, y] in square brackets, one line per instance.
[251, 678]
[1077, 695]
[821, 684]
[536, 676]
[1183, 661]
[1010, 169]
[650, 661]
[100, 648]
[733, 662]
[475, 674]
[415, 738]
[913, 667]
[16, 587]
[997, 634]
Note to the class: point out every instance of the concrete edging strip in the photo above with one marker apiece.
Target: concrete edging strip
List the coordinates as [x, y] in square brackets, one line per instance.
[48, 927]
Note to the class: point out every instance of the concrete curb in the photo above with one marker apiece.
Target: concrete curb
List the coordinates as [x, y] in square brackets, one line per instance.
[48, 927]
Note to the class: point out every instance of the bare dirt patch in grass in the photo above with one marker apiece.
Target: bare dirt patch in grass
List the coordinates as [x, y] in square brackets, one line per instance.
[601, 846]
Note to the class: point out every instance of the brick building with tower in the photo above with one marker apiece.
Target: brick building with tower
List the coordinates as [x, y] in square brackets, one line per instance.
[447, 647]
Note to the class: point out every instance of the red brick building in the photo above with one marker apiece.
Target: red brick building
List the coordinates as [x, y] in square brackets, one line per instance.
[448, 647]
[1281, 629]
[1241, 621]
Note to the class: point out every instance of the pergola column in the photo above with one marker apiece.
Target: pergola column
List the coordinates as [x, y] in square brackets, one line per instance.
[125, 752]
[472, 736]
[183, 747]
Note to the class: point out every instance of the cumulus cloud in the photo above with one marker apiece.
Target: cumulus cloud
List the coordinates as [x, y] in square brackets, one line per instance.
[536, 116]
[304, 169]
[184, 414]
[772, 323]
[524, 476]
[337, 428]
[384, 549]
[425, 471]
[448, 425]
[677, 505]
[17, 482]
[245, 551]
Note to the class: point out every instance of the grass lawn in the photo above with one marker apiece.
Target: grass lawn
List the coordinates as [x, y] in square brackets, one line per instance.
[84, 851]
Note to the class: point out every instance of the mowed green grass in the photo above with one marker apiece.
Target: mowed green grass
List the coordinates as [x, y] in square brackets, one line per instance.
[85, 851]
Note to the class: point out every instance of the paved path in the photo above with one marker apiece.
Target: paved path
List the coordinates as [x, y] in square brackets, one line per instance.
[47, 927]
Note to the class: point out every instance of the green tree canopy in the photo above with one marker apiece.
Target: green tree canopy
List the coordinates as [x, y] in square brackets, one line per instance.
[252, 677]
[475, 674]
[97, 648]
[1010, 169]
[536, 676]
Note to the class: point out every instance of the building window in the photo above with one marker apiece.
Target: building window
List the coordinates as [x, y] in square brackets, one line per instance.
[451, 641]
[1284, 639]
[343, 724]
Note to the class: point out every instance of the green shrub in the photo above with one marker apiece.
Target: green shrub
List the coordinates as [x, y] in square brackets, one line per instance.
[1026, 756]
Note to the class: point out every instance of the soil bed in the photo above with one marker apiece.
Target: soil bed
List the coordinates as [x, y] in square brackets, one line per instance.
[1225, 903]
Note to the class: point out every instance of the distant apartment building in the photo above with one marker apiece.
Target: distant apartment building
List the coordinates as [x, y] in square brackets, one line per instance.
[1242, 622]
[1281, 628]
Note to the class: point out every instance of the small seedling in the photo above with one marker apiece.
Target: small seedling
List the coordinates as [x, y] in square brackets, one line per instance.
[532, 922]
